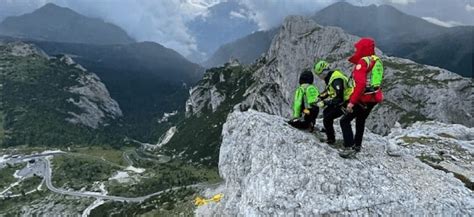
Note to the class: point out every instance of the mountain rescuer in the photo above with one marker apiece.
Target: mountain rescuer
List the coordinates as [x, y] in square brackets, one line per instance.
[367, 75]
[334, 97]
[305, 110]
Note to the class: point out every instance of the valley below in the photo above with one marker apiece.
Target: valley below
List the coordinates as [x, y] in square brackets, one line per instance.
[90, 181]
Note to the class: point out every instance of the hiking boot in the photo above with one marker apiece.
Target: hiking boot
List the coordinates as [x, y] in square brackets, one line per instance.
[357, 148]
[330, 141]
[347, 152]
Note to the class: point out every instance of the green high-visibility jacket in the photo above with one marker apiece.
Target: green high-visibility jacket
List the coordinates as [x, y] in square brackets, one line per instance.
[348, 89]
[305, 96]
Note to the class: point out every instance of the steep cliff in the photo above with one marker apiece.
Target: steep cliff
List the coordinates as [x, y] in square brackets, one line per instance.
[272, 169]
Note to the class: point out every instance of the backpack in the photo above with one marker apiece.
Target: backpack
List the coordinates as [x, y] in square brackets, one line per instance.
[374, 73]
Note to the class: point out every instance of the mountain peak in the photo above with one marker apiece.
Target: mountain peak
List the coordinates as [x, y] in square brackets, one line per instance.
[52, 6]
[345, 7]
[60, 24]
[52, 9]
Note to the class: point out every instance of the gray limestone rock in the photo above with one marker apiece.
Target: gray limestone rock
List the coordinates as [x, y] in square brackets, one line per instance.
[94, 101]
[272, 169]
[413, 92]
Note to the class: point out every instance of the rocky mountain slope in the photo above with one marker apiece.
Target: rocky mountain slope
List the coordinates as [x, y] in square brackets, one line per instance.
[51, 100]
[246, 49]
[396, 33]
[272, 169]
[196, 138]
[54, 23]
[404, 35]
[413, 92]
[146, 78]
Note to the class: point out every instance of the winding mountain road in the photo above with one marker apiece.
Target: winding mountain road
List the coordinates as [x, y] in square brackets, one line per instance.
[49, 185]
[43, 166]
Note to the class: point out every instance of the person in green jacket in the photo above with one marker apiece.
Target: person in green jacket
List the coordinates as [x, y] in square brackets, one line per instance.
[305, 110]
[334, 98]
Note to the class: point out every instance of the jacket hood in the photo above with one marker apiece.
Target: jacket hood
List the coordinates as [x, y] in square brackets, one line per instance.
[364, 47]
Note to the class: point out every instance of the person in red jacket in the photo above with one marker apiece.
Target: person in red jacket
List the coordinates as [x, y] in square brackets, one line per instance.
[362, 100]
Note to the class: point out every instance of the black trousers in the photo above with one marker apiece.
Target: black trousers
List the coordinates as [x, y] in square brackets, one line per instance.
[308, 120]
[360, 113]
[329, 114]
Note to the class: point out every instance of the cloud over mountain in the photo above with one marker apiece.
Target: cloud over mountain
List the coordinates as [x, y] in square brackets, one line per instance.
[166, 22]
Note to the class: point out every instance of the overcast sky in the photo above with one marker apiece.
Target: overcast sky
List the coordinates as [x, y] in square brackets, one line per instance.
[163, 21]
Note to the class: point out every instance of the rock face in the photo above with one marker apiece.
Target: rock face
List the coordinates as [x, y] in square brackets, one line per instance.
[19, 49]
[95, 104]
[217, 85]
[42, 96]
[198, 95]
[94, 101]
[207, 108]
[145, 78]
[447, 147]
[413, 92]
[271, 169]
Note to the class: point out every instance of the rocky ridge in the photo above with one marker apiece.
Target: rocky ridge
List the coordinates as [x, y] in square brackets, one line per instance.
[272, 169]
[94, 100]
[51, 100]
[413, 92]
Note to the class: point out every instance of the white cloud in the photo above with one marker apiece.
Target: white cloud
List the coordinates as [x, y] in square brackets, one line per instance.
[270, 13]
[469, 8]
[401, 2]
[442, 23]
[164, 21]
[144, 20]
[237, 15]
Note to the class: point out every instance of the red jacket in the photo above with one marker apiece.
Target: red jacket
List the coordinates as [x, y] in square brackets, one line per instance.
[364, 47]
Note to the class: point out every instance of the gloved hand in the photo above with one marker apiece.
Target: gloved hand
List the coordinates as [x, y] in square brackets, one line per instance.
[306, 111]
[323, 95]
[349, 107]
[320, 104]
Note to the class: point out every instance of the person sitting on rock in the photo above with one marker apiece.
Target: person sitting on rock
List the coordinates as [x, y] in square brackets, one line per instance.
[367, 76]
[305, 110]
[334, 98]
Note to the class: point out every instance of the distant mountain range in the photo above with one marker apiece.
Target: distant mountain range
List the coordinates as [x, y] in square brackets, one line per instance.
[396, 34]
[403, 35]
[384, 23]
[259, 43]
[54, 23]
[145, 78]
[452, 50]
